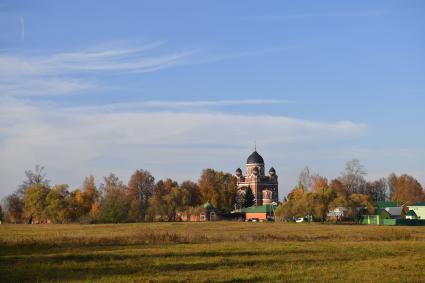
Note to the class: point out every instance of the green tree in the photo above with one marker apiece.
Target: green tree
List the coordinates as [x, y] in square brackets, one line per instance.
[249, 198]
[194, 192]
[56, 204]
[116, 204]
[115, 208]
[35, 202]
[172, 203]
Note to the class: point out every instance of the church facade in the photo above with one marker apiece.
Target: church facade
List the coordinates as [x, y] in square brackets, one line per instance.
[264, 187]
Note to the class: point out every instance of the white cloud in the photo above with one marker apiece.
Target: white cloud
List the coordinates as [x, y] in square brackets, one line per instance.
[72, 142]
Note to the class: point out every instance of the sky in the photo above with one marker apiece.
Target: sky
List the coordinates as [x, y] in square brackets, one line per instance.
[174, 87]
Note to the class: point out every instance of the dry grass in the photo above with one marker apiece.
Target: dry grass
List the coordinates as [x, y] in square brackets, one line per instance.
[212, 252]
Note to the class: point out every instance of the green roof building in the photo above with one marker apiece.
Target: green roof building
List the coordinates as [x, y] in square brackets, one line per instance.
[261, 212]
[419, 209]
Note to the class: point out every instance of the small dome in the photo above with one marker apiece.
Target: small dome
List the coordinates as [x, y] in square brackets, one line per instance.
[255, 158]
[238, 172]
[272, 171]
[208, 205]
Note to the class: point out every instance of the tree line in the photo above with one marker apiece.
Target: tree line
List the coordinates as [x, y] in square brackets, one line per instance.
[145, 199]
[142, 199]
[314, 196]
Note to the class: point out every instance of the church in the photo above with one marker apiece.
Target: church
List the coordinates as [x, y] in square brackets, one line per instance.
[264, 187]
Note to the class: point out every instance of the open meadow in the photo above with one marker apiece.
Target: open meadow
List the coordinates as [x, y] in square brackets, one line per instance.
[212, 252]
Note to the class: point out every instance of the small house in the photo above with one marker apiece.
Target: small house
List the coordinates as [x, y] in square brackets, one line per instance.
[411, 214]
[419, 209]
[259, 213]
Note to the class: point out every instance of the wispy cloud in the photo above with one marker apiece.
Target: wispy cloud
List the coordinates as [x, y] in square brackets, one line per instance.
[178, 104]
[60, 73]
[66, 73]
[241, 55]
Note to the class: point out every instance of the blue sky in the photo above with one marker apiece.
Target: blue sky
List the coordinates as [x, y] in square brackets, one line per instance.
[92, 87]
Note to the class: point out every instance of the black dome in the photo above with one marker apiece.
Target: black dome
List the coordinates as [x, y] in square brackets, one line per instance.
[255, 158]
[238, 172]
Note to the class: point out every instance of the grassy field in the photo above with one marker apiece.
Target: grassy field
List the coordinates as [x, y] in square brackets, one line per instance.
[212, 252]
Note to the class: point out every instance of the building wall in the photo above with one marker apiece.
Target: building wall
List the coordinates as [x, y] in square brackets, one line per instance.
[261, 216]
[258, 184]
[419, 210]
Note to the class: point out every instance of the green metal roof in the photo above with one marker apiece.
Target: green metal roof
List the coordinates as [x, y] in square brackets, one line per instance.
[411, 213]
[384, 204]
[259, 209]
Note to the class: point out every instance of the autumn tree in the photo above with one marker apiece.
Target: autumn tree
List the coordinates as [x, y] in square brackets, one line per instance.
[89, 197]
[359, 204]
[193, 191]
[14, 208]
[141, 187]
[405, 189]
[219, 188]
[209, 187]
[323, 196]
[35, 202]
[299, 203]
[56, 204]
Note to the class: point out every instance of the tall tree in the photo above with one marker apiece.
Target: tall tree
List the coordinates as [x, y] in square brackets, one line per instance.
[405, 189]
[116, 203]
[323, 197]
[219, 188]
[377, 190]
[305, 179]
[208, 186]
[353, 177]
[141, 187]
[194, 192]
[36, 177]
[249, 198]
[35, 202]
[56, 205]
[1, 214]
